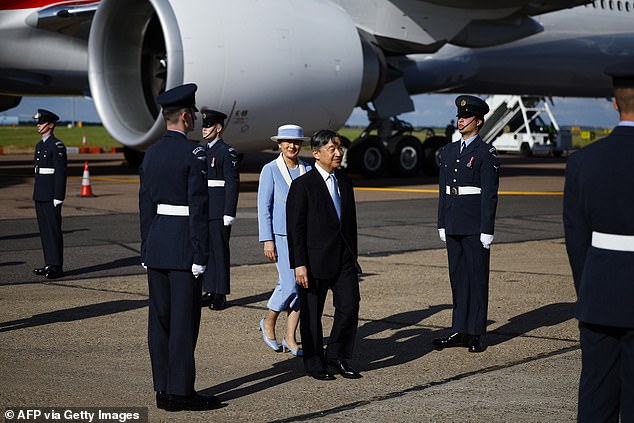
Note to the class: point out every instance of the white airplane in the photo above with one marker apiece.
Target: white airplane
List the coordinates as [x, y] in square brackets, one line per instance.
[270, 62]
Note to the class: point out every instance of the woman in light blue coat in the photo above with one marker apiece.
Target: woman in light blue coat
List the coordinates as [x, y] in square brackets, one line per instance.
[275, 180]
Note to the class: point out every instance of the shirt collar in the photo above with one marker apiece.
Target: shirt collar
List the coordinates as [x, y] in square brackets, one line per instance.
[45, 138]
[321, 171]
[212, 143]
[469, 140]
[626, 123]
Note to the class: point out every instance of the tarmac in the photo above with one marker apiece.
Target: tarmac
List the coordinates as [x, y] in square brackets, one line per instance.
[81, 341]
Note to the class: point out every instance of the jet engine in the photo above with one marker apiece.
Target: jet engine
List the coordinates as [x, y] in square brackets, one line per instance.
[262, 62]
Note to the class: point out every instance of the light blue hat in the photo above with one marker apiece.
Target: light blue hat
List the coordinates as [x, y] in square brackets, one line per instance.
[290, 132]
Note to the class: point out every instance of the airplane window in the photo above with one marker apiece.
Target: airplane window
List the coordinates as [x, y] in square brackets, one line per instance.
[611, 3]
[602, 4]
[618, 6]
[627, 6]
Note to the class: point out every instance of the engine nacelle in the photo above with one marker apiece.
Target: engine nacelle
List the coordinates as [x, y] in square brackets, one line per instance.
[262, 62]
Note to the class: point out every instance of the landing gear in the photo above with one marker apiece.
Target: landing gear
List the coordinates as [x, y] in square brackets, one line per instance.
[394, 149]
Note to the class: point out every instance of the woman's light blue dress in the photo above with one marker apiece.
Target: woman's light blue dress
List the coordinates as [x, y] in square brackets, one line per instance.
[272, 192]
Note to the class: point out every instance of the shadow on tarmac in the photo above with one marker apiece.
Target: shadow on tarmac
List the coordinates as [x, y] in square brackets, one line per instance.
[548, 315]
[72, 314]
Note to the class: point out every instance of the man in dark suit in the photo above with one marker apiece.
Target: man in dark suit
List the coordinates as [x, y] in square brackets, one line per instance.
[321, 223]
[223, 188]
[49, 193]
[174, 248]
[468, 196]
[599, 229]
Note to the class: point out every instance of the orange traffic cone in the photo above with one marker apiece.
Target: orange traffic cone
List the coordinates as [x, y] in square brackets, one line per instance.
[86, 191]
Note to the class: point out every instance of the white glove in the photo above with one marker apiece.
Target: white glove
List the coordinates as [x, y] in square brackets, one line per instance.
[198, 269]
[486, 240]
[441, 234]
[57, 202]
[228, 220]
[144, 266]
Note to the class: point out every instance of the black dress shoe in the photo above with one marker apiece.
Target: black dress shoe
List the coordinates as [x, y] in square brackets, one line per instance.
[343, 368]
[41, 271]
[161, 400]
[321, 375]
[195, 402]
[206, 299]
[54, 272]
[475, 344]
[219, 302]
[453, 340]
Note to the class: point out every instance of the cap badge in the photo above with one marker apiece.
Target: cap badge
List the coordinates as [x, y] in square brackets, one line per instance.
[463, 102]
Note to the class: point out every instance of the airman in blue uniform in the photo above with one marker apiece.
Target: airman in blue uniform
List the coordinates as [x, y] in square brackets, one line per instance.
[49, 193]
[175, 248]
[223, 188]
[599, 229]
[468, 195]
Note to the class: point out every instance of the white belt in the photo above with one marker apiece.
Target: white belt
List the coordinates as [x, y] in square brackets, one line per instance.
[215, 183]
[613, 242]
[45, 170]
[462, 190]
[170, 210]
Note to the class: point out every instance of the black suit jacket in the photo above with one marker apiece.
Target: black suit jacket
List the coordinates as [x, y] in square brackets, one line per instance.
[317, 239]
[599, 196]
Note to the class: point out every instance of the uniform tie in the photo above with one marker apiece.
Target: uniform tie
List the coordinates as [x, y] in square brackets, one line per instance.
[334, 193]
[462, 146]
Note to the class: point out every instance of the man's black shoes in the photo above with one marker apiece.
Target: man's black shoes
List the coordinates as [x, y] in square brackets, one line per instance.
[53, 272]
[475, 344]
[453, 340]
[343, 368]
[195, 402]
[41, 271]
[219, 302]
[321, 375]
[206, 299]
[161, 400]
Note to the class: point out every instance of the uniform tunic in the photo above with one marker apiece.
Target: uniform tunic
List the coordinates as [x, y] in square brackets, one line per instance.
[173, 173]
[465, 214]
[50, 162]
[223, 190]
[599, 201]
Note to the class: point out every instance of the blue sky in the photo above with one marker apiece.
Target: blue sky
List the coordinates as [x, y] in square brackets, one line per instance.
[434, 110]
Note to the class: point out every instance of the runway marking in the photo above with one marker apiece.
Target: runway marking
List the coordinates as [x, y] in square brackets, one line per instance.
[435, 191]
[425, 386]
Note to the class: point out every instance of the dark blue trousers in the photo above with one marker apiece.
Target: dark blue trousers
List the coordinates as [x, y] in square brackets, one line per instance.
[217, 278]
[173, 323]
[606, 387]
[346, 297]
[469, 277]
[49, 220]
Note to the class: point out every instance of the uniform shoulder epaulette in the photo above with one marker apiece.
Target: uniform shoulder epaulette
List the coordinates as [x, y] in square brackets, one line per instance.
[198, 150]
[59, 144]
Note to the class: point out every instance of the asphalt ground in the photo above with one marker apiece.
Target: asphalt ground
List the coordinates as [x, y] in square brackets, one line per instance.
[81, 341]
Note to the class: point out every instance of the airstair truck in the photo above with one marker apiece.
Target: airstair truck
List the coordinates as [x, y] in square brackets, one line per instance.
[525, 125]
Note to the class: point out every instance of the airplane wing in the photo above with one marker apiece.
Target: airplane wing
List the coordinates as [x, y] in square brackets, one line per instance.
[423, 26]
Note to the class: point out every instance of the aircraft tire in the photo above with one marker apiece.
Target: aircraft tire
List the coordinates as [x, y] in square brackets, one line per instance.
[407, 157]
[369, 157]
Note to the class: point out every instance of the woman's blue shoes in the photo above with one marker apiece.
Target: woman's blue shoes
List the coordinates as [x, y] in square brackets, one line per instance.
[270, 342]
[296, 352]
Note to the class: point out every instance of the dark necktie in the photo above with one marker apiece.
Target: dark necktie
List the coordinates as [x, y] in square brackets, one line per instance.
[462, 146]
